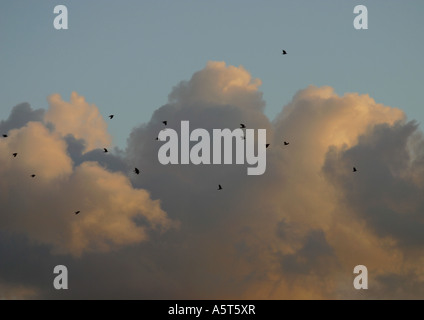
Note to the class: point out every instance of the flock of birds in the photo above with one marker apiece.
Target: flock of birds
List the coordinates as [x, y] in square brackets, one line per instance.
[137, 171]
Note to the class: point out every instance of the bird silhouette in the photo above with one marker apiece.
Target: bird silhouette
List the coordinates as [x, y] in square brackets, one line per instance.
[15, 154]
[284, 52]
[267, 145]
[354, 169]
[111, 116]
[5, 136]
[286, 143]
[137, 171]
[219, 187]
[242, 126]
[76, 212]
[105, 150]
[33, 176]
[165, 123]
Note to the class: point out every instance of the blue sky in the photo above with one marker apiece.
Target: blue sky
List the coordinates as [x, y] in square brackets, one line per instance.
[126, 56]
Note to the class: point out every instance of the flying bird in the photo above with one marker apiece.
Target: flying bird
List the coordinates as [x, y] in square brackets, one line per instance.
[33, 176]
[111, 116]
[267, 145]
[286, 143]
[284, 52]
[219, 187]
[137, 171]
[242, 126]
[165, 123]
[5, 136]
[354, 169]
[105, 150]
[76, 212]
[15, 154]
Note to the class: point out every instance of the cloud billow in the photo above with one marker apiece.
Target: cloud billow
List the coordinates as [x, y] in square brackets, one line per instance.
[297, 231]
[43, 208]
[387, 192]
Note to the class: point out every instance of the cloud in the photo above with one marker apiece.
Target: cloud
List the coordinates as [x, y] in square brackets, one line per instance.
[295, 232]
[220, 85]
[20, 115]
[9, 292]
[78, 118]
[386, 192]
[315, 256]
[112, 212]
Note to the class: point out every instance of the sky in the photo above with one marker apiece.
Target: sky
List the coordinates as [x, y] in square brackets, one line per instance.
[342, 97]
[127, 56]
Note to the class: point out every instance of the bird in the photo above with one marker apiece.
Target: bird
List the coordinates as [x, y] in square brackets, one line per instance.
[111, 116]
[33, 176]
[15, 154]
[284, 52]
[105, 150]
[137, 171]
[267, 145]
[76, 212]
[219, 187]
[286, 143]
[242, 126]
[165, 123]
[5, 136]
[354, 169]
